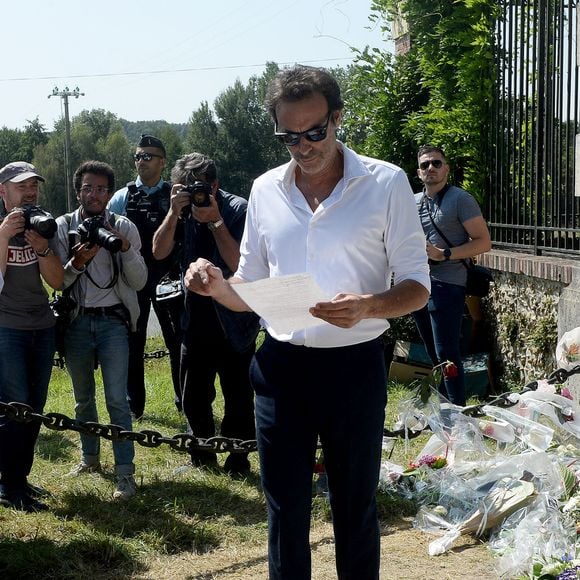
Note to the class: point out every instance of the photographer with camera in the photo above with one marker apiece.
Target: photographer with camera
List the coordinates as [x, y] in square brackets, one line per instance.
[210, 222]
[26, 326]
[103, 269]
[146, 202]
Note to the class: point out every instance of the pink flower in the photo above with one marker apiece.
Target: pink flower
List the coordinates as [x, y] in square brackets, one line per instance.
[435, 462]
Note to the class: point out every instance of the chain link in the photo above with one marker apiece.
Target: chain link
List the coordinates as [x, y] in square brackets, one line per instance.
[184, 442]
[505, 400]
[156, 354]
[60, 364]
[147, 438]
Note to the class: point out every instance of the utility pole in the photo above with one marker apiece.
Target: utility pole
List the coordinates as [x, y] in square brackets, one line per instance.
[64, 95]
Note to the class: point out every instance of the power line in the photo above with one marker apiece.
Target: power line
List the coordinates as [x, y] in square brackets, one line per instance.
[163, 71]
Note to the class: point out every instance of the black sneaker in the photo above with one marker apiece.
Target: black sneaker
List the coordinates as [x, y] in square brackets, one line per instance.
[237, 464]
[21, 501]
[36, 491]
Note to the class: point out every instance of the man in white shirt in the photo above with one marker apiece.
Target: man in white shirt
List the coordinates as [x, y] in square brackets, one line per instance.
[350, 222]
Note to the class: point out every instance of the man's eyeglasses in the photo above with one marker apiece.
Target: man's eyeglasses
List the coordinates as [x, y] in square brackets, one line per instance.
[315, 134]
[99, 189]
[437, 163]
[146, 156]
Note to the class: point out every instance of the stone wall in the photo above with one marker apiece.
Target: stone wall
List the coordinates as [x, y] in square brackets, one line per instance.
[533, 302]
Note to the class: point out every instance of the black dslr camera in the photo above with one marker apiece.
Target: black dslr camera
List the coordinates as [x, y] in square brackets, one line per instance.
[35, 218]
[199, 192]
[93, 231]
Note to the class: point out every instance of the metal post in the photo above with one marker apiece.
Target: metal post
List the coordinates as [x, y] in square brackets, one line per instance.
[65, 94]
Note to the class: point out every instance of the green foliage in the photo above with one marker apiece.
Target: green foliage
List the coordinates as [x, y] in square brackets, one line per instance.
[382, 92]
[18, 145]
[439, 93]
[95, 134]
[237, 134]
[134, 129]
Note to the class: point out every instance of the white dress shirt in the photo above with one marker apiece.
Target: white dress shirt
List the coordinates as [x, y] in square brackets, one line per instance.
[363, 233]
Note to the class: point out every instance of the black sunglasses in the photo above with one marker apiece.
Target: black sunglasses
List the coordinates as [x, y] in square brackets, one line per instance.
[437, 163]
[315, 134]
[145, 156]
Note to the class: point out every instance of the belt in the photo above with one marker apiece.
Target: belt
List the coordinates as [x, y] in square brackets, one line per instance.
[101, 310]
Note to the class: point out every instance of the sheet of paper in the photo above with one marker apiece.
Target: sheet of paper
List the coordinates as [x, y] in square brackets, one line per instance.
[283, 302]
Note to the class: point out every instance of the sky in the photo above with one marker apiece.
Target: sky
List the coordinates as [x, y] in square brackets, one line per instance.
[149, 60]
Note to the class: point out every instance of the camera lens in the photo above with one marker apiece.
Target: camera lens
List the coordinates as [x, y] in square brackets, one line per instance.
[108, 241]
[44, 225]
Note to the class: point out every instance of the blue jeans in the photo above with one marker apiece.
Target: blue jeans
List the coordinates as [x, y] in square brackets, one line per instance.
[439, 324]
[102, 338]
[26, 361]
[339, 395]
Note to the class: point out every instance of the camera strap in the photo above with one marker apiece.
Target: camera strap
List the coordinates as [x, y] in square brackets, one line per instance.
[113, 279]
[71, 242]
[112, 221]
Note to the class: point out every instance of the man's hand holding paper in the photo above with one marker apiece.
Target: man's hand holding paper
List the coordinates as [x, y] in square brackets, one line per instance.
[286, 303]
[344, 310]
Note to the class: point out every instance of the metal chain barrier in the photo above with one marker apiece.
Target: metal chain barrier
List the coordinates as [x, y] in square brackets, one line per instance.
[156, 354]
[186, 443]
[505, 400]
[59, 361]
[147, 438]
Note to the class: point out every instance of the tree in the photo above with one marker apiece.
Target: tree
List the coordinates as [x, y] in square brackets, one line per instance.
[18, 145]
[116, 151]
[381, 93]
[173, 147]
[202, 134]
[239, 135]
[9, 146]
[34, 134]
[95, 134]
[439, 93]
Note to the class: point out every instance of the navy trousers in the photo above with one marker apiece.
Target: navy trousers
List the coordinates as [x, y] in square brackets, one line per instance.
[439, 324]
[169, 318]
[339, 395]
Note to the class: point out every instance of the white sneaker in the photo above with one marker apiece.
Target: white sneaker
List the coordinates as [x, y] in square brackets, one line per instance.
[83, 467]
[126, 487]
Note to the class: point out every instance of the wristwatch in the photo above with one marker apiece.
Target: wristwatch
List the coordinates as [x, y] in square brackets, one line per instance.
[47, 252]
[213, 226]
[447, 253]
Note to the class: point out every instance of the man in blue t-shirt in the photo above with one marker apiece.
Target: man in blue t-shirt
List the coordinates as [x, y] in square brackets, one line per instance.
[455, 232]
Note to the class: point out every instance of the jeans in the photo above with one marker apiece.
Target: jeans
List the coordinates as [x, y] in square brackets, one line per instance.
[103, 338]
[339, 395]
[26, 361]
[439, 324]
[170, 322]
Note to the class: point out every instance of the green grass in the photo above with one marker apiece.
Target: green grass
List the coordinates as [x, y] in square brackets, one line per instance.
[86, 534]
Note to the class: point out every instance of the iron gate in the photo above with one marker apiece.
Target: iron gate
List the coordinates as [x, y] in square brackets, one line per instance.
[531, 202]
